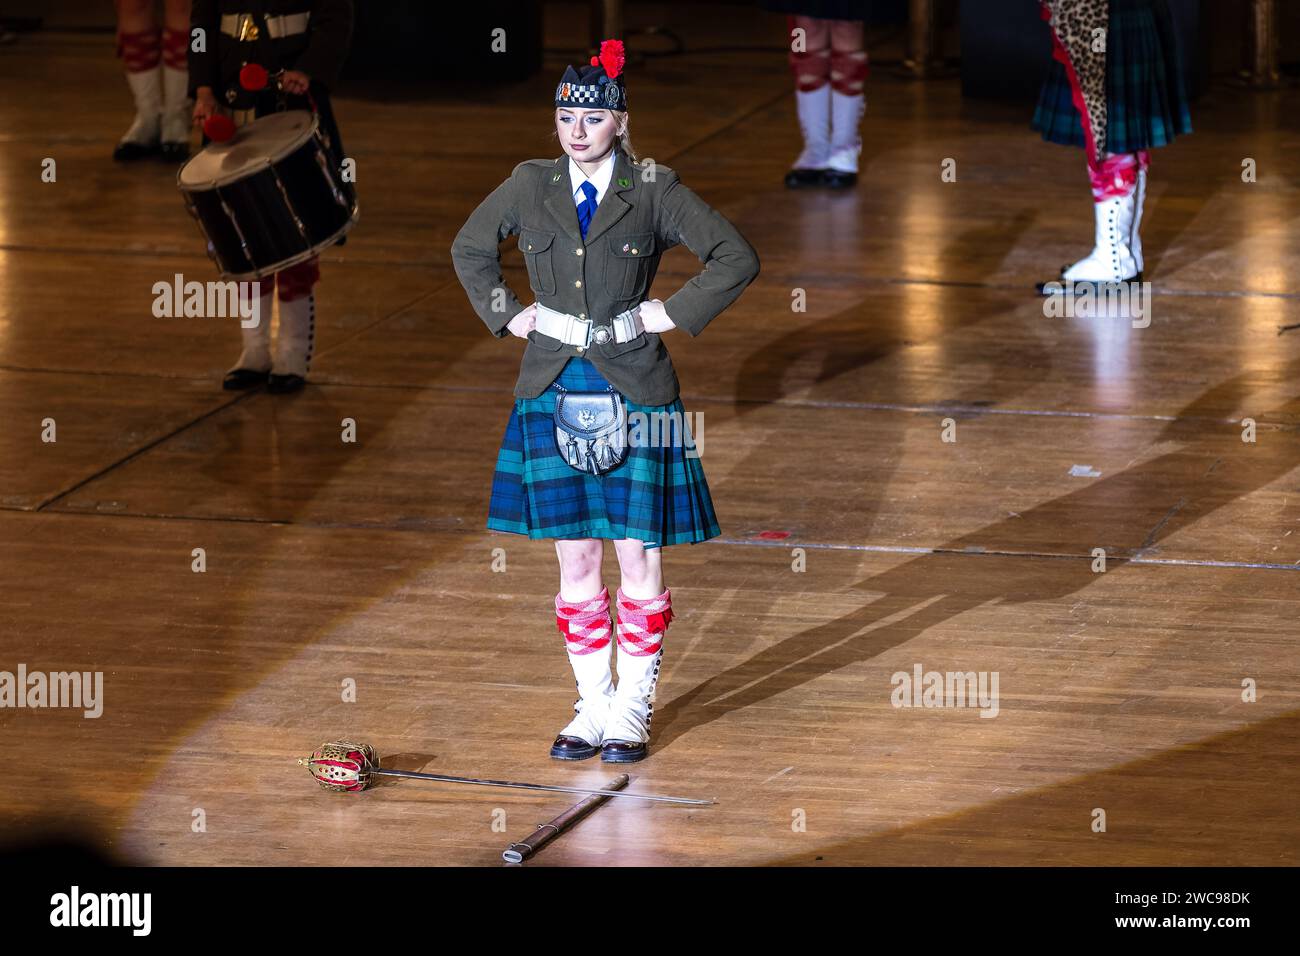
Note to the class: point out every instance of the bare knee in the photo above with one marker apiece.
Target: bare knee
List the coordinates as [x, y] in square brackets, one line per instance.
[580, 567]
[135, 11]
[176, 13]
[846, 35]
[816, 31]
[641, 569]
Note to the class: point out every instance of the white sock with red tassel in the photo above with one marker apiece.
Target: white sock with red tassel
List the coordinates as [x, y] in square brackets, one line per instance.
[641, 623]
[586, 631]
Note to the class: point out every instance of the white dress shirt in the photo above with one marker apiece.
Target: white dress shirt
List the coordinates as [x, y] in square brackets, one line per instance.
[600, 179]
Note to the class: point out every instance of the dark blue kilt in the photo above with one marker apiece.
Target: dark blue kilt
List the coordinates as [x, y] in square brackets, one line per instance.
[658, 495]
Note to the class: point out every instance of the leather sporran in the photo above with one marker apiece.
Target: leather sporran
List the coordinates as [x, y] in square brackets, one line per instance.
[591, 429]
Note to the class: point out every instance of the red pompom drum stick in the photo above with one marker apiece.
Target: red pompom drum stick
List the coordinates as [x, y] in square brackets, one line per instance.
[253, 77]
[218, 128]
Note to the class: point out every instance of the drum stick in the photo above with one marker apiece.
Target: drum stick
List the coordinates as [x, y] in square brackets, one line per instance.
[521, 850]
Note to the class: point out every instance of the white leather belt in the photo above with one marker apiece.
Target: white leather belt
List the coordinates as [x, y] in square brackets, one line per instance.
[572, 330]
[242, 26]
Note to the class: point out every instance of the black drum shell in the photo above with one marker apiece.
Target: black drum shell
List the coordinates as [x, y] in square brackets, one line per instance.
[286, 212]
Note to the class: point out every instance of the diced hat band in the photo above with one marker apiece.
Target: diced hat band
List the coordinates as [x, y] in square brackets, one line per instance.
[599, 85]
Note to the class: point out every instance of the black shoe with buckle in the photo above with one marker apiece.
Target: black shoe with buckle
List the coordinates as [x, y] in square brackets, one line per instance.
[803, 178]
[174, 152]
[572, 748]
[623, 751]
[239, 379]
[129, 151]
[284, 384]
[835, 179]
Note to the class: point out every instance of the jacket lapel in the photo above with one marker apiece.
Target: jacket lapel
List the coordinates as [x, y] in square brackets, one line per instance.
[559, 199]
[612, 208]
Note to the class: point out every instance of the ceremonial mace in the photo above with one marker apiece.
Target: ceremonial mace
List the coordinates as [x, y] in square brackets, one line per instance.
[348, 767]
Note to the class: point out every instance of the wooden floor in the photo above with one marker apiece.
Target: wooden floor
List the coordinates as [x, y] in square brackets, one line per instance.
[329, 562]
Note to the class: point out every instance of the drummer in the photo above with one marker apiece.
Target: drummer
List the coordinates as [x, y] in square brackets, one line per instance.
[307, 40]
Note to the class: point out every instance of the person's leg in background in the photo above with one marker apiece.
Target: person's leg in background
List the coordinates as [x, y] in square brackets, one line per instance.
[139, 44]
[643, 610]
[810, 60]
[176, 105]
[254, 361]
[296, 338]
[582, 616]
[848, 102]
[1118, 192]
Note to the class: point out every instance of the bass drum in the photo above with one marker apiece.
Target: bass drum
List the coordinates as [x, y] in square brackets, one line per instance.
[269, 197]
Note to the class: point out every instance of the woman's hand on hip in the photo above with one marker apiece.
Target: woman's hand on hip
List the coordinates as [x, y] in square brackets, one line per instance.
[524, 322]
[654, 317]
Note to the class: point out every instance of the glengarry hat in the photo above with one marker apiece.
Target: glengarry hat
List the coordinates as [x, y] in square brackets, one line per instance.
[598, 86]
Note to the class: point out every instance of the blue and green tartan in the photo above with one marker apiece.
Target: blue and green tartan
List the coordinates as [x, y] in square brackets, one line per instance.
[658, 495]
[1146, 104]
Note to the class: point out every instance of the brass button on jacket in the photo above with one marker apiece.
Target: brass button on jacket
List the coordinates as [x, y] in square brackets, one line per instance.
[611, 271]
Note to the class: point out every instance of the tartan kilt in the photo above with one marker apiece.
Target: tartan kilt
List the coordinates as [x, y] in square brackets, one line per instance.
[658, 495]
[1146, 103]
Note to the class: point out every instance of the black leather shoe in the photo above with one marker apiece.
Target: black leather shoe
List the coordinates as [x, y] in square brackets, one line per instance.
[623, 751]
[242, 378]
[834, 179]
[174, 152]
[284, 384]
[572, 748]
[128, 152]
[803, 178]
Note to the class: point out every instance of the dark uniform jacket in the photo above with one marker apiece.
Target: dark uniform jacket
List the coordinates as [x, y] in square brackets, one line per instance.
[645, 211]
[319, 52]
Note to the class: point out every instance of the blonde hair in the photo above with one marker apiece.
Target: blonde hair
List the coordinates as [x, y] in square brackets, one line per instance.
[622, 140]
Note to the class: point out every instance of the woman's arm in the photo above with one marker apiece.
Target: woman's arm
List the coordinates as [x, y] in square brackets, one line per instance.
[730, 263]
[477, 257]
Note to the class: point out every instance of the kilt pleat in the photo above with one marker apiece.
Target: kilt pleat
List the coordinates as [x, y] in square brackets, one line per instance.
[658, 495]
[1146, 102]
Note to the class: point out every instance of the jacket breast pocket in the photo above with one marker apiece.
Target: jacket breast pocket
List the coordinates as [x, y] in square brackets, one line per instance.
[536, 245]
[627, 264]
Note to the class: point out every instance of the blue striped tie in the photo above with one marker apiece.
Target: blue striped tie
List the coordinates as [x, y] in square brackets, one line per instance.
[586, 208]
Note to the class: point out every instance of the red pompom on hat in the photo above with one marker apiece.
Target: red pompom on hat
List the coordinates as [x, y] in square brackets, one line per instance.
[218, 128]
[611, 57]
[253, 77]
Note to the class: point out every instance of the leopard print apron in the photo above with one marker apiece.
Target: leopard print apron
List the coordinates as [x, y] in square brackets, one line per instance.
[1079, 42]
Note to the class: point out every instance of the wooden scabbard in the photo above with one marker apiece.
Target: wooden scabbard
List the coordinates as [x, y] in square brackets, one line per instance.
[521, 850]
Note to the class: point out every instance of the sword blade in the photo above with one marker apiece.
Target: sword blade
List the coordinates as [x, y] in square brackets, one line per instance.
[444, 778]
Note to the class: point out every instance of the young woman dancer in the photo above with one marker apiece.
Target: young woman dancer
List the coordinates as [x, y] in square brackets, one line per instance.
[573, 465]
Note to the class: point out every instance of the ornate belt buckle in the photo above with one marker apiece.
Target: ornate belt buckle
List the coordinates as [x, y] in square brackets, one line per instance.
[602, 335]
[247, 30]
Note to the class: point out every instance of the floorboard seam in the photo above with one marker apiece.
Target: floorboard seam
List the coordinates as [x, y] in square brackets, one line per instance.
[972, 552]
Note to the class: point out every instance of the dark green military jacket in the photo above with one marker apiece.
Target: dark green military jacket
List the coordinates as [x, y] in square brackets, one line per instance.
[645, 211]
